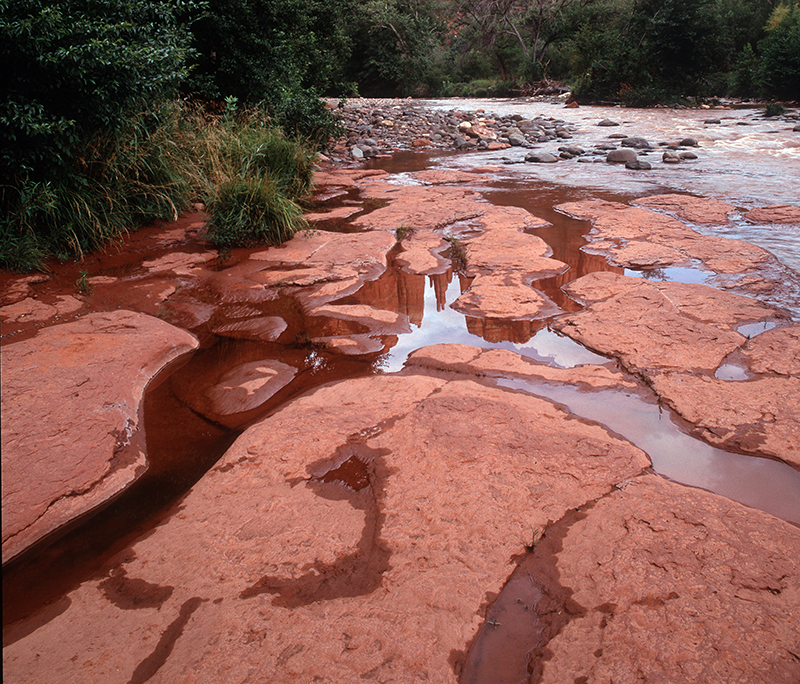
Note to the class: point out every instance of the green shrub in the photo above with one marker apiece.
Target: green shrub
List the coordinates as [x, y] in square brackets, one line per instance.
[250, 177]
[118, 180]
[246, 210]
[780, 53]
[774, 109]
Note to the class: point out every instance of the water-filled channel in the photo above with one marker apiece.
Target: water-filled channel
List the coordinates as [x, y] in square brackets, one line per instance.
[182, 445]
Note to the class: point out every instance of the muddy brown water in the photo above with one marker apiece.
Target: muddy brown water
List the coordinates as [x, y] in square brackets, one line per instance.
[183, 445]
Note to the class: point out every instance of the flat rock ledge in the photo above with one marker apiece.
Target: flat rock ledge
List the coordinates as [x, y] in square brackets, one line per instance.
[364, 532]
[679, 336]
[71, 398]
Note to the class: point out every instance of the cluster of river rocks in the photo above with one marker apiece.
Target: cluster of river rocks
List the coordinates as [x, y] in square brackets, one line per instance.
[374, 130]
[434, 524]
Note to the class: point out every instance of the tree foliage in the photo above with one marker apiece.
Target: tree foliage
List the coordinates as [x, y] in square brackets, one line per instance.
[780, 70]
[280, 53]
[72, 68]
[396, 45]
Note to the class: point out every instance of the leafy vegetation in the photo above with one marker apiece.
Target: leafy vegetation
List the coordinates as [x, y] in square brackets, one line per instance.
[639, 52]
[93, 140]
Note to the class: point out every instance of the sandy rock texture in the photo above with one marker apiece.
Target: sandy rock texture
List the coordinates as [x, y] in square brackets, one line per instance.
[696, 590]
[71, 399]
[364, 530]
[270, 565]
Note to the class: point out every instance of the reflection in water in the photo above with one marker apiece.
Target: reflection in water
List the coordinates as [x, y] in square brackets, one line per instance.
[673, 274]
[762, 483]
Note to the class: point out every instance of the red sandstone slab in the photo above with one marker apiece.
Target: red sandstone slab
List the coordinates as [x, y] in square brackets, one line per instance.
[71, 401]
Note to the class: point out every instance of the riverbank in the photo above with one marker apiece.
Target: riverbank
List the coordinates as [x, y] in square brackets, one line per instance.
[415, 523]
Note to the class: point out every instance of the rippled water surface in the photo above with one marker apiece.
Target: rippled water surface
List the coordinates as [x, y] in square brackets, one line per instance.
[746, 160]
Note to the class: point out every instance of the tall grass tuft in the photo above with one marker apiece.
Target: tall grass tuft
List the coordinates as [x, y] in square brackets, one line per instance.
[252, 177]
[116, 182]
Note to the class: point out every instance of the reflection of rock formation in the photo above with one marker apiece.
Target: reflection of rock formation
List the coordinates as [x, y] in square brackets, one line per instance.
[440, 283]
[393, 291]
[497, 330]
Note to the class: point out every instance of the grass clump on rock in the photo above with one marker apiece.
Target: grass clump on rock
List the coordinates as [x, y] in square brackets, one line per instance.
[245, 170]
[252, 176]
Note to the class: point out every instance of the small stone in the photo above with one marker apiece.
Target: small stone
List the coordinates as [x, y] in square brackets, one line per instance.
[608, 122]
[670, 157]
[540, 158]
[639, 143]
[688, 155]
[688, 142]
[713, 121]
[621, 156]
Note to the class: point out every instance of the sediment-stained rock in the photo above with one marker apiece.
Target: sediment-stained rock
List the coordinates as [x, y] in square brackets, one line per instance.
[699, 302]
[759, 416]
[327, 265]
[416, 206]
[645, 327]
[422, 253]
[501, 363]
[504, 296]
[374, 321]
[671, 584]
[778, 213]
[621, 231]
[677, 335]
[32, 310]
[71, 437]
[242, 388]
[694, 209]
[270, 566]
[775, 351]
[258, 328]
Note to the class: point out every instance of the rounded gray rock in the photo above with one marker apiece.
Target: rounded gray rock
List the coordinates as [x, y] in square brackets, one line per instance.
[541, 158]
[622, 156]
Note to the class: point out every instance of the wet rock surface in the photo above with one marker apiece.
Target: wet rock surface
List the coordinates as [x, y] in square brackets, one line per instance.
[413, 526]
[652, 596]
[634, 237]
[71, 402]
[394, 564]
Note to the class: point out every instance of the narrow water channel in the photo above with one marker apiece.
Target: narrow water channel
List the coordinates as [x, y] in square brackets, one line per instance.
[183, 445]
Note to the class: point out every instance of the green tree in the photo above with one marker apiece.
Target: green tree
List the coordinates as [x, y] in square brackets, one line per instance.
[73, 68]
[396, 45]
[284, 54]
[780, 53]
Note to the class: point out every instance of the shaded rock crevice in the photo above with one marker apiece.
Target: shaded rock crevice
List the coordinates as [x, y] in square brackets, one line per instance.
[148, 668]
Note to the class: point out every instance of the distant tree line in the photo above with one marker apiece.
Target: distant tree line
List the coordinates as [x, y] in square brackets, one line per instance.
[90, 126]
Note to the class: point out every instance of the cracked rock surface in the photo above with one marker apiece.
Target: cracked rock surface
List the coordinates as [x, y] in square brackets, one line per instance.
[339, 544]
[386, 575]
[697, 590]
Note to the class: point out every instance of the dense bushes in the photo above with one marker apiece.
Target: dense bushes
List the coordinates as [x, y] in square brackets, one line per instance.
[281, 54]
[84, 149]
[92, 142]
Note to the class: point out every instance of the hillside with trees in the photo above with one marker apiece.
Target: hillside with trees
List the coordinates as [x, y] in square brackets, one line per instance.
[118, 112]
